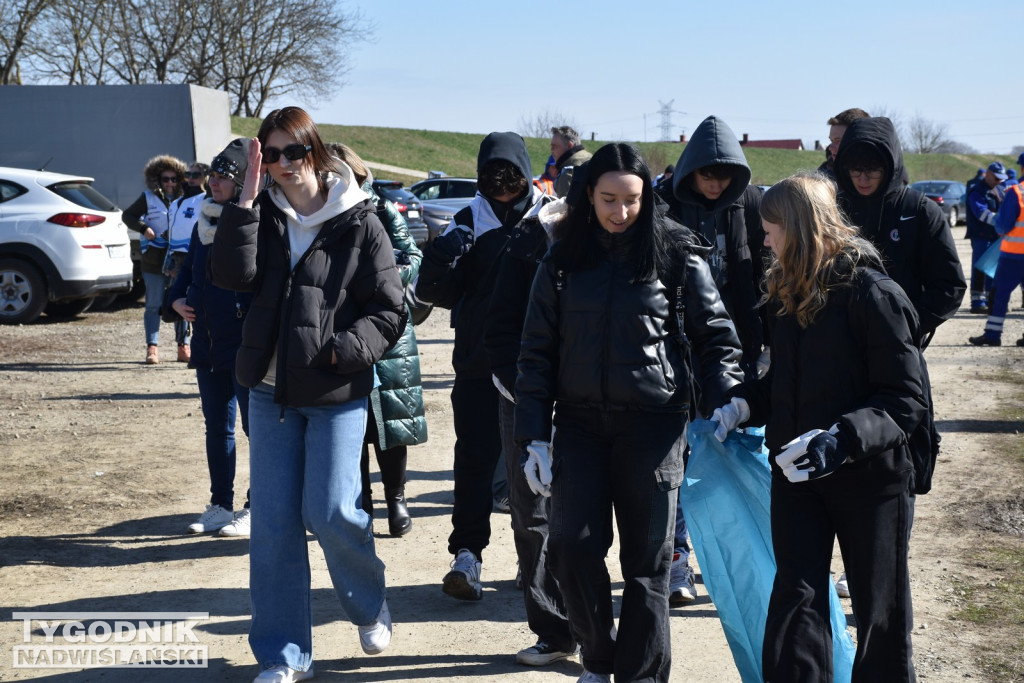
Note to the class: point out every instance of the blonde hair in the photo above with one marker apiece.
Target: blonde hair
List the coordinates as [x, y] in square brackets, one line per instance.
[820, 248]
[349, 156]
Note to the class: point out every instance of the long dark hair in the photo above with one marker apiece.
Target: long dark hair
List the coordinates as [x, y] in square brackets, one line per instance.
[578, 231]
[299, 125]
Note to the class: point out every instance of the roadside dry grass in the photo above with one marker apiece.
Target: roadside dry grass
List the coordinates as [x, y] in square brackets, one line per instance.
[991, 598]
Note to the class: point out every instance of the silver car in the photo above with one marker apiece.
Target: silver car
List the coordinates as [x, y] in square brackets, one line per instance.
[442, 198]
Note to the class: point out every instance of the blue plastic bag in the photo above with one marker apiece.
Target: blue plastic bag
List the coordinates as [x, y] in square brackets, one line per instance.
[726, 497]
[988, 261]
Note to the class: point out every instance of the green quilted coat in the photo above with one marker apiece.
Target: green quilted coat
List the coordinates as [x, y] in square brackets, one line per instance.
[397, 404]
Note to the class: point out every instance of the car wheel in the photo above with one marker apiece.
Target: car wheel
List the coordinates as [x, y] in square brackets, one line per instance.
[22, 292]
[67, 309]
[954, 217]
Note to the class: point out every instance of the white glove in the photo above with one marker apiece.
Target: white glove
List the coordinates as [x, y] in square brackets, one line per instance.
[537, 467]
[798, 465]
[729, 417]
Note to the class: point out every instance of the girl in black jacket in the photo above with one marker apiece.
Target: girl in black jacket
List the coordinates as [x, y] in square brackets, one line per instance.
[843, 392]
[602, 348]
[327, 303]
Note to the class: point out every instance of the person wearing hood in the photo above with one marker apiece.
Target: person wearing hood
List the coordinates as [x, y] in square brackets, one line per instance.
[907, 228]
[844, 390]
[396, 406]
[327, 304]
[216, 316]
[710, 193]
[603, 394]
[150, 216]
[713, 197]
[458, 272]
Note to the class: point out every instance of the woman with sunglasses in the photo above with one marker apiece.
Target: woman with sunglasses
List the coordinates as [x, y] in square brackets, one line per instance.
[327, 304]
[150, 215]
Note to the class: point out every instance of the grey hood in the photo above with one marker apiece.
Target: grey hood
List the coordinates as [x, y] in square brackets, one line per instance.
[713, 142]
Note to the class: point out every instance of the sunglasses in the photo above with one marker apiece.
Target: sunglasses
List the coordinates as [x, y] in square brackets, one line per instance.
[169, 179]
[271, 155]
[194, 174]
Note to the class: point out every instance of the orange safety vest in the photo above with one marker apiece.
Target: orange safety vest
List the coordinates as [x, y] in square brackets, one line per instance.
[546, 185]
[1013, 241]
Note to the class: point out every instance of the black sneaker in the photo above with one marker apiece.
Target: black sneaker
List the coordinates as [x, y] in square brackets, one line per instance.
[543, 654]
[1020, 342]
[982, 340]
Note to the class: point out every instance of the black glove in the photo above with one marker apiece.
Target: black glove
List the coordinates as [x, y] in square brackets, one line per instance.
[813, 455]
[453, 243]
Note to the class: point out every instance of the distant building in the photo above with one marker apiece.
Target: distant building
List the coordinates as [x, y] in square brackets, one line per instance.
[773, 144]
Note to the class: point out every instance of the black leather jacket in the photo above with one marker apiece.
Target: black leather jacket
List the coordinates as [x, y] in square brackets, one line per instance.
[594, 339]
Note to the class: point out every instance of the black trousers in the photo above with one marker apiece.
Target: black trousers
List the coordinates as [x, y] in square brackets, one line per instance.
[477, 447]
[629, 462]
[873, 533]
[545, 608]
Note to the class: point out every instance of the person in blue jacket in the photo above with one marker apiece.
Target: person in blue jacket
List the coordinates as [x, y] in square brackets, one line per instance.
[216, 315]
[983, 202]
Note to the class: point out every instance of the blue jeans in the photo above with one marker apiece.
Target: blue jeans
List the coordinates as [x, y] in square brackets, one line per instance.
[220, 394]
[681, 541]
[304, 473]
[156, 283]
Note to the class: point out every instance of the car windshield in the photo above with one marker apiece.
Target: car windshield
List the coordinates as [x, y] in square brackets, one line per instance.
[83, 194]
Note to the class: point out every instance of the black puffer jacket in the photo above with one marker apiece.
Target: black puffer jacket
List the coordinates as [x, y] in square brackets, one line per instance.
[465, 285]
[594, 339]
[344, 295]
[856, 365]
[730, 224]
[917, 246]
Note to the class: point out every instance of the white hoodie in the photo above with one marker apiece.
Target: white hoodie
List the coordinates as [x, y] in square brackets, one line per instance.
[342, 194]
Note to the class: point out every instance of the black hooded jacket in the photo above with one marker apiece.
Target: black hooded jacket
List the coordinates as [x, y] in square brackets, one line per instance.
[465, 284]
[856, 364]
[731, 225]
[917, 246]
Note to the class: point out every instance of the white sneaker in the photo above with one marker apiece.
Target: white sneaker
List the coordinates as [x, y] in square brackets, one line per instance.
[591, 677]
[282, 674]
[239, 526]
[681, 582]
[842, 586]
[213, 519]
[376, 637]
[463, 581]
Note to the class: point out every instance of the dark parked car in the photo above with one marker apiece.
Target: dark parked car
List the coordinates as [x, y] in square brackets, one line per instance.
[950, 195]
[408, 205]
[442, 198]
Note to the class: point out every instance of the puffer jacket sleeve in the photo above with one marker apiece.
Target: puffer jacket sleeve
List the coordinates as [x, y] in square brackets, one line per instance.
[942, 279]
[441, 281]
[538, 359]
[377, 290]
[897, 402]
[234, 253]
[712, 336]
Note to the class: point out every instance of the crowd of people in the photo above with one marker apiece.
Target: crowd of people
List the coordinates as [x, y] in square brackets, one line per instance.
[597, 311]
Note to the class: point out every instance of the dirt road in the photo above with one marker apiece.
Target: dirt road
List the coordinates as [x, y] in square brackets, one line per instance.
[103, 469]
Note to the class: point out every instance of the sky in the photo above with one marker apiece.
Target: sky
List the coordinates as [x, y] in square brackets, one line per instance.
[769, 69]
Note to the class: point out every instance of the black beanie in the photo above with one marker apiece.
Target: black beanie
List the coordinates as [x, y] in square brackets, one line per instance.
[233, 161]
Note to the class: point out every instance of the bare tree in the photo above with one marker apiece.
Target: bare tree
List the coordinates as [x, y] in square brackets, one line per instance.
[288, 46]
[925, 136]
[539, 125]
[78, 58]
[16, 20]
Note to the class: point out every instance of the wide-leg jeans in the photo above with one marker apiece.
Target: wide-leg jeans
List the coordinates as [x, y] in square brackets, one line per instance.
[304, 473]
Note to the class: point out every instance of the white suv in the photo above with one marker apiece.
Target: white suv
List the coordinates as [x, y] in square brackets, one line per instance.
[61, 242]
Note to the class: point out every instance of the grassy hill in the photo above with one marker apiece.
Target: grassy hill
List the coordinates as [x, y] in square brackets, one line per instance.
[455, 153]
